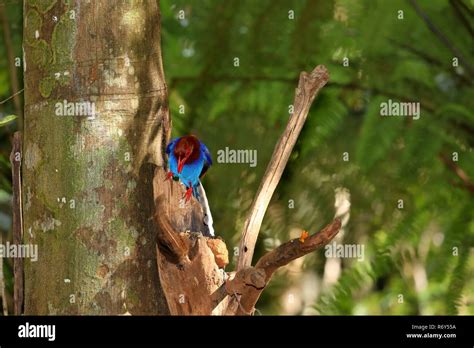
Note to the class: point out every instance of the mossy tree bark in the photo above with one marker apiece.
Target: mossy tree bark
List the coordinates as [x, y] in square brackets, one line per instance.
[87, 179]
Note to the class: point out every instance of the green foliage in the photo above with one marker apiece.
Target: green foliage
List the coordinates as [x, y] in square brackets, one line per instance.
[390, 158]
[377, 135]
[7, 119]
[409, 265]
[456, 283]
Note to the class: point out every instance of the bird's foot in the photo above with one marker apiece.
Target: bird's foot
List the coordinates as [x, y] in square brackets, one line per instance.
[169, 176]
[189, 193]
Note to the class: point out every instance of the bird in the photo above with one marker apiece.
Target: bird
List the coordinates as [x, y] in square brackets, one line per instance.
[188, 160]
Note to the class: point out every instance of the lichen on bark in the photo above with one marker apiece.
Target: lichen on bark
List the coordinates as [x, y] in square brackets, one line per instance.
[42, 5]
[88, 201]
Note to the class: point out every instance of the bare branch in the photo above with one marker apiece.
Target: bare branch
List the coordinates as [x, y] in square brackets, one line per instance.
[15, 159]
[467, 183]
[294, 249]
[430, 60]
[466, 8]
[12, 96]
[247, 284]
[3, 292]
[458, 12]
[308, 87]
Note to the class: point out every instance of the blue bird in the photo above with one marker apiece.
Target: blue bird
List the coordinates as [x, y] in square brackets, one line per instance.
[188, 161]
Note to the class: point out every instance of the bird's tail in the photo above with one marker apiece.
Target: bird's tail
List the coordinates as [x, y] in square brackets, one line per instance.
[196, 191]
[208, 221]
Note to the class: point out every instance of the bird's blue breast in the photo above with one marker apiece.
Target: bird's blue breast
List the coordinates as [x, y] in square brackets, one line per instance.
[190, 172]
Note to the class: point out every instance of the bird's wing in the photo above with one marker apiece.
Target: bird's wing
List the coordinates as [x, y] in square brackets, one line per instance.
[207, 154]
[207, 159]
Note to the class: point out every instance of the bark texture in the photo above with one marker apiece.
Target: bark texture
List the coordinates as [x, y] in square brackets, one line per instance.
[192, 265]
[15, 160]
[87, 179]
[190, 275]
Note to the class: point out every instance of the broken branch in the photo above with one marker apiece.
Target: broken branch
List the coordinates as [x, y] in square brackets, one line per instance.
[167, 239]
[15, 159]
[294, 248]
[249, 282]
[309, 86]
[460, 173]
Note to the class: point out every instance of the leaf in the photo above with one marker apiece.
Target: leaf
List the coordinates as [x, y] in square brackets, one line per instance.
[7, 119]
[456, 111]
[378, 136]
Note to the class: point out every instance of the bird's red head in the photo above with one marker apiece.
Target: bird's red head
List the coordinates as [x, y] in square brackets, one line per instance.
[187, 150]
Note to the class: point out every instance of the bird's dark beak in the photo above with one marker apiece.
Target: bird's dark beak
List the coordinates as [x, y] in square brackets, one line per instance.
[180, 164]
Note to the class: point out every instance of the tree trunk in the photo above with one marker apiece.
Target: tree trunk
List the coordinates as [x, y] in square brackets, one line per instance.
[87, 178]
[96, 123]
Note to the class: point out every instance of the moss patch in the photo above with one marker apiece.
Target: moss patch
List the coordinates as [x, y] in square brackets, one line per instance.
[46, 86]
[61, 42]
[41, 54]
[54, 56]
[33, 25]
[43, 5]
